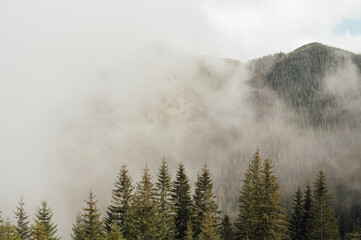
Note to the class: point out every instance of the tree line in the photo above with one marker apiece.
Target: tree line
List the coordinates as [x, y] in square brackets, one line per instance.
[167, 210]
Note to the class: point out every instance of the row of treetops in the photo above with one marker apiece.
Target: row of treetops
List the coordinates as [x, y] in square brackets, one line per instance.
[167, 210]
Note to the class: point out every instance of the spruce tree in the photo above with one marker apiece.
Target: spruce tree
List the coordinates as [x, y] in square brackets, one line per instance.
[204, 200]
[115, 233]
[93, 226]
[78, 228]
[144, 218]
[273, 222]
[323, 221]
[22, 220]
[249, 215]
[164, 194]
[307, 203]
[226, 229]
[189, 233]
[44, 215]
[38, 232]
[297, 217]
[182, 202]
[119, 210]
[8, 231]
[208, 231]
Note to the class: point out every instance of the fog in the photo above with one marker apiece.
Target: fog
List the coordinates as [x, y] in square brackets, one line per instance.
[88, 86]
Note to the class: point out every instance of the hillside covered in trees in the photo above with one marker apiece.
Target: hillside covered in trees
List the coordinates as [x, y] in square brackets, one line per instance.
[167, 209]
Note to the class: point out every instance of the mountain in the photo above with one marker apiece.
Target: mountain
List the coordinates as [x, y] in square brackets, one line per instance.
[300, 78]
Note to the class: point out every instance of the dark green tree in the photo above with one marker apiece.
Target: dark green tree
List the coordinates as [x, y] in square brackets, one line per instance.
[297, 217]
[119, 210]
[273, 222]
[249, 216]
[204, 201]
[93, 226]
[226, 229]
[182, 202]
[44, 215]
[22, 220]
[78, 228]
[208, 231]
[144, 218]
[307, 203]
[164, 197]
[323, 221]
[115, 233]
[189, 233]
[38, 232]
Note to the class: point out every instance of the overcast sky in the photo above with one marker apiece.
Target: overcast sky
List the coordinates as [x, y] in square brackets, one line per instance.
[50, 50]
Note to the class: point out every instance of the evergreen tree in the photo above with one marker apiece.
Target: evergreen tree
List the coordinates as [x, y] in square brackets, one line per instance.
[297, 217]
[115, 233]
[145, 221]
[44, 215]
[8, 231]
[164, 193]
[273, 221]
[182, 202]
[226, 229]
[78, 228]
[323, 221]
[38, 232]
[208, 231]
[249, 215]
[93, 229]
[307, 203]
[119, 209]
[204, 200]
[22, 220]
[189, 233]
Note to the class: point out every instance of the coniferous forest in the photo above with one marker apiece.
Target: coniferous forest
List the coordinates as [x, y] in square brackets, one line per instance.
[163, 207]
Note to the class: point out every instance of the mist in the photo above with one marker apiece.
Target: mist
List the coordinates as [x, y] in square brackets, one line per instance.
[88, 86]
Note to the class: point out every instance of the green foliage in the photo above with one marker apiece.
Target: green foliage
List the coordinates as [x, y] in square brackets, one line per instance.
[38, 232]
[209, 230]
[182, 202]
[119, 210]
[115, 233]
[78, 228]
[189, 233]
[322, 220]
[44, 215]
[307, 203]
[297, 217]
[226, 231]
[204, 201]
[261, 215]
[92, 225]
[22, 220]
[144, 218]
[8, 231]
[164, 198]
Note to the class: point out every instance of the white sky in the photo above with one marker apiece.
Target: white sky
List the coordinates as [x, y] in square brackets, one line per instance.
[49, 49]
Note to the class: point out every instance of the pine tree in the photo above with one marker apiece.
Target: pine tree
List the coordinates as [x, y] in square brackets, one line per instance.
[249, 215]
[119, 210]
[297, 217]
[208, 231]
[273, 222]
[307, 203]
[115, 233]
[22, 220]
[78, 228]
[189, 233]
[182, 202]
[204, 200]
[164, 192]
[323, 221]
[44, 215]
[8, 231]
[145, 221]
[38, 232]
[93, 226]
[226, 229]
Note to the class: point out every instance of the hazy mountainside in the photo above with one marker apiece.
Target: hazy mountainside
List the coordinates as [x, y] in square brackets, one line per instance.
[302, 109]
[300, 78]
